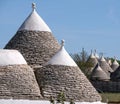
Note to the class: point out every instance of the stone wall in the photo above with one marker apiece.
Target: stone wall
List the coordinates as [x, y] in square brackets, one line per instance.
[54, 79]
[18, 82]
[106, 86]
[37, 47]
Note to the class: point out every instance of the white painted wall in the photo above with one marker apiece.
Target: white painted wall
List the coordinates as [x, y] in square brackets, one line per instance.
[2, 101]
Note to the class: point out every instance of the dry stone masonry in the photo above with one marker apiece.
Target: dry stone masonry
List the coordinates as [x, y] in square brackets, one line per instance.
[37, 47]
[61, 74]
[18, 82]
[105, 76]
[105, 66]
[54, 79]
[34, 40]
[54, 69]
[99, 74]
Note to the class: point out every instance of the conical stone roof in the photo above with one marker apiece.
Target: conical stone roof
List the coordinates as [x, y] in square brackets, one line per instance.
[17, 79]
[96, 55]
[105, 66]
[56, 77]
[99, 74]
[34, 40]
[115, 65]
[109, 61]
[116, 75]
[92, 60]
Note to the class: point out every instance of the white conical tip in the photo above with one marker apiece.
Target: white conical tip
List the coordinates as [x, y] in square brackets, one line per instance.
[102, 58]
[34, 22]
[62, 42]
[115, 61]
[61, 58]
[92, 55]
[33, 6]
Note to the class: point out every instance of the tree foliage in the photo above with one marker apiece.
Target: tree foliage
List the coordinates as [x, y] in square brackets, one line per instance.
[81, 60]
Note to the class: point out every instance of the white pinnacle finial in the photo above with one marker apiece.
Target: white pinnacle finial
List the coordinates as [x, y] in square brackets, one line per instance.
[92, 55]
[33, 6]
[62, 42]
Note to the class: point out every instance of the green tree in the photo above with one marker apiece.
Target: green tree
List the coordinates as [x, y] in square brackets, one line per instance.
[81, 60]
[71, 101]
[61, 97]
[52, 100]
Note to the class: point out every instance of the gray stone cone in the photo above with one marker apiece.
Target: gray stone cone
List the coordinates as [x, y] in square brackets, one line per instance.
[114, 66]
[99, 74]
[115, 76]
[94, 62]
[54, 79]
[37, 47]
[18, 82]
[105, 67]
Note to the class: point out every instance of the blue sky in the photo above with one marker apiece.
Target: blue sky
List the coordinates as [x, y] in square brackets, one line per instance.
[89, 24]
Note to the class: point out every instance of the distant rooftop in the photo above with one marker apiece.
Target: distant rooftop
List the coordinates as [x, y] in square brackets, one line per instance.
[115, 62]
[98, 73]
[102, 59]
